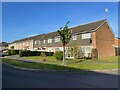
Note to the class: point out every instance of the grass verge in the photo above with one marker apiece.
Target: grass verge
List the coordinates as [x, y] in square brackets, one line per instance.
[71, 65]
[42, 66]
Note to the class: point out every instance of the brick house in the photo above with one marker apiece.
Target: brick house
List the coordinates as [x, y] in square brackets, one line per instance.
[117, 46]
[97, 35]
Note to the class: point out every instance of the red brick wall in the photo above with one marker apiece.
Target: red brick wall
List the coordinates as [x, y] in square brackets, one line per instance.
[117, 42]
[104, 41]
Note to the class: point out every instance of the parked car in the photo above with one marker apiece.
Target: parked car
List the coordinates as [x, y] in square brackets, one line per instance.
[4, 52]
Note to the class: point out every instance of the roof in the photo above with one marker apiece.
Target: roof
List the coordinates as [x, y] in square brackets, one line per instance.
[87, 27]
[90, 27]
[3, 44]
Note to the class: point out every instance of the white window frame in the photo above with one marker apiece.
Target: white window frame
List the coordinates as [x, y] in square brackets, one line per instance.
[35, 41]
[86, 35]
[49, 49]
[86, 49]
[49, 40]
[44, 41]
[39, 42]
[74, 37]
[57, 39]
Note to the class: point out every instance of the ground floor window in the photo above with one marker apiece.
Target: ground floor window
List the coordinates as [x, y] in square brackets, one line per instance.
[49, 49]
[69, 52]
[57, 49]
[86, 50]
[78, 52]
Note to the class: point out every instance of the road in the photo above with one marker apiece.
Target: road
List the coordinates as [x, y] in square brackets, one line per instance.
[16, 78]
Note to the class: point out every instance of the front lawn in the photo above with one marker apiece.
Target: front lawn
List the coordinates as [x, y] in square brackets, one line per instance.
[76, 64]
[42, 66]
[52, 59]
[48, 58]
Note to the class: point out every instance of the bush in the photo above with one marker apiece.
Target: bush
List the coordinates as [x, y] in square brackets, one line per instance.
[33, 53]
[13, 52]
[59, 55]
[43, 56]
[88, 57]
[94, 53]
[23, 53]
[28, 53]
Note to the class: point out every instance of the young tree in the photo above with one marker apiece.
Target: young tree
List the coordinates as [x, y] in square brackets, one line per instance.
[65, 35]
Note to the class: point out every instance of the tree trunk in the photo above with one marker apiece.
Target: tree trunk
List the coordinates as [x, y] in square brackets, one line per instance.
[63, 54]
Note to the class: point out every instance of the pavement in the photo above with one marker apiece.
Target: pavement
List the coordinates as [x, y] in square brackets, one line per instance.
[17, 78]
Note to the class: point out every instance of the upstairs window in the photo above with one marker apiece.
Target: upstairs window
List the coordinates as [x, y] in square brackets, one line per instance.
[39, 42]
[49, 40]
[86, 35]
[35, 41]
[74, 37]
[57, 39]
[43, 41]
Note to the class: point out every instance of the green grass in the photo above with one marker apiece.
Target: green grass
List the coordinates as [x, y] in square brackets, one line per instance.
[52, 59]
[42, 66]
[0, 60]
[48, 58]
[94, 66]
[76, 64]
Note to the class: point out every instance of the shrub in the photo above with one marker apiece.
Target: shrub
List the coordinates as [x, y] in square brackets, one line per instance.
[43, 56]
[33, 53]
[49, 53]
[94, 53]
[88, 57]
[28, 53]
[58, 55]
[13, 52]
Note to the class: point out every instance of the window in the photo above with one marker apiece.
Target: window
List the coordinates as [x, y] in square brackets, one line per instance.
[86, 35]
[86, 49]
[39, 42]
[74, 37]
[43, 41]
[57, 39]
[38, 48]
[57, 49]
[49, 49]
[35, 41]
[49, 40]
[83, 49]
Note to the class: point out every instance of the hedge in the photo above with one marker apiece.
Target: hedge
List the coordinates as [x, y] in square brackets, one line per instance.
[58, 55]
[33, 53]
[13, 52]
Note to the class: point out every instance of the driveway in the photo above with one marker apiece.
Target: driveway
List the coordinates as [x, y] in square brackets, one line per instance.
[16, 78]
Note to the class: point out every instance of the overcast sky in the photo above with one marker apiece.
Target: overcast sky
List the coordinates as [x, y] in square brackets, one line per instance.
[20, 20]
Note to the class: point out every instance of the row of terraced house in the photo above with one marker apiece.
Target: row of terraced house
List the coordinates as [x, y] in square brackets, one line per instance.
[97, 35]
